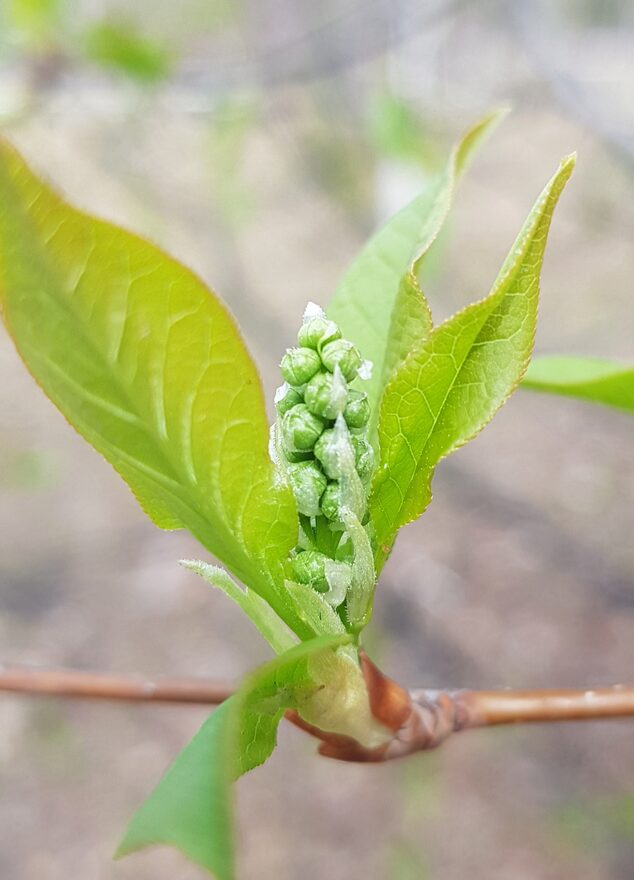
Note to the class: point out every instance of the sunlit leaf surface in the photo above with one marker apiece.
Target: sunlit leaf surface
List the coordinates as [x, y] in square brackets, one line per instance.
[448, 389]
[148, 365]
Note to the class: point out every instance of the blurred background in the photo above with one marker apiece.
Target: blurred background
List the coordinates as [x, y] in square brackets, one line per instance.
[261, 141]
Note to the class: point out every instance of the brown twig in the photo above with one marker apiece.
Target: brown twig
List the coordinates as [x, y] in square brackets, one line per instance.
[419, 719]
[485, 708]
[100, 686]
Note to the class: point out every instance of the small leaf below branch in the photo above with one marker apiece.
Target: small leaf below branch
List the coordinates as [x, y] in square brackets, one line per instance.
[190, 808]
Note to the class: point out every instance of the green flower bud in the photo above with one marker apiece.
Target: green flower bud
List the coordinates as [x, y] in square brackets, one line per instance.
[357, 411]
[309, 567]
[317, 331]
[326, 395]
[299, 365]
[331, 501]
[328, 450]
[343, 354]
[286, 398]
[300, 429]
[363, 456]
[292, 456]
[308, 484]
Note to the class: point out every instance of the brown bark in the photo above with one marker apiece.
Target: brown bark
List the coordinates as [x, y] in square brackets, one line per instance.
[419, 719]
[100, 686]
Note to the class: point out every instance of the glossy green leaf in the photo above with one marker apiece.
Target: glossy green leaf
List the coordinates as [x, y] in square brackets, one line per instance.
[378, 303]
[449, 388]
[190, 808]
[592, 379]
[148, 365]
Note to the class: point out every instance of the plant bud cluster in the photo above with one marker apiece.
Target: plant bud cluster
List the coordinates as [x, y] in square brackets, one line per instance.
[321, 435]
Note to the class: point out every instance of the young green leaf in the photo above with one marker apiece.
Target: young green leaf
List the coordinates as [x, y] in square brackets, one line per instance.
[148, 365]
[452, 385]
[260, 612]
[190, 808]
[592, 379]
[380, 289]
[314, 610]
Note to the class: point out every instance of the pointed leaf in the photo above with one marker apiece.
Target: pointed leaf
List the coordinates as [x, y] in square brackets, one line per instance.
[380, 289]
[260, 612]
[190, 808]
[449, 388]
[592, 379]
[148, 365]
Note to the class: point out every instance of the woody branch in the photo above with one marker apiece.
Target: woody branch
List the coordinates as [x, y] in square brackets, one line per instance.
[421, 719]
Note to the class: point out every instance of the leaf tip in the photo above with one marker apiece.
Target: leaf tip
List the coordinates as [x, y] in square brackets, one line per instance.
[566, 167]
[191, 564]
[498, 114]
[569, 161]
[475, 135]
[125, 847]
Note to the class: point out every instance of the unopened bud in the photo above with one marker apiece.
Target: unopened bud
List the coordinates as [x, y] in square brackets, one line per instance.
[286, 398]
[341, 353]
[317, 331]
[300, 429]
[363, 456]
[332, 449]
[292, 456]
[357, 411]
[308, 484]
[299, 365]
[331, 501]
[326, 395]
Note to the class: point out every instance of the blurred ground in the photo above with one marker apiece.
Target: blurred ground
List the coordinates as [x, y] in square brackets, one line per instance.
[262, 154]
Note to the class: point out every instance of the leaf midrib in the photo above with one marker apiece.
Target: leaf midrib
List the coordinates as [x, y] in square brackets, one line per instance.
[432, 428]
[494, 298]
[64, 301]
